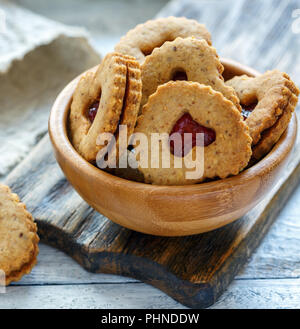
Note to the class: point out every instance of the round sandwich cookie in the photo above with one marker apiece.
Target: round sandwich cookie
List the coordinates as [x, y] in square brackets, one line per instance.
[180, 107]
[140, 41]
[104, 100]
[268, 102]
[18, 237]
[185, 59]
[131, 104]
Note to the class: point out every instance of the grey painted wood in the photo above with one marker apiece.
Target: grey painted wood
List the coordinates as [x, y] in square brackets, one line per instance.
[261, 294]
[91, 296]
[271, 278]
[242, 294]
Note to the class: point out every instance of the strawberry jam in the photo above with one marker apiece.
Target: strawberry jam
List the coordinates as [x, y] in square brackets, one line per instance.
[92, 111]
[186, 124]
[247, 109]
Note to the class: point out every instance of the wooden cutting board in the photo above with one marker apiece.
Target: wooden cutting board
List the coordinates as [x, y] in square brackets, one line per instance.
[194, 270]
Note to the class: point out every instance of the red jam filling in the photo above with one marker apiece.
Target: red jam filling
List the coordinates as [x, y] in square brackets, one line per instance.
[186, 124]
[92, 111]
[247, 109]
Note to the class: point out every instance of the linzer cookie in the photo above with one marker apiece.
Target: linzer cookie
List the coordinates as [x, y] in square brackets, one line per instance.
[18, 237]
[270, 136]
[189, 59]
[97, 105]
[269, 100]
[102, 101]
[189, 107]
[132, 99]
[140, 41]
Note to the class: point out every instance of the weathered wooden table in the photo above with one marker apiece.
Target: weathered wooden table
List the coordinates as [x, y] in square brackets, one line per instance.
[272, 276]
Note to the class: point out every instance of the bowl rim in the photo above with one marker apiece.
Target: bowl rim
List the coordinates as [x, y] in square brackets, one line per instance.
[57, 127]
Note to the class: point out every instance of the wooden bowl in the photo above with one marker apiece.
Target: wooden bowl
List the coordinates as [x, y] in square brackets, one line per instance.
[167, 210]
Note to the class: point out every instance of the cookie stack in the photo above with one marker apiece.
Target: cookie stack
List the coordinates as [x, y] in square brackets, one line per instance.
[165, 79]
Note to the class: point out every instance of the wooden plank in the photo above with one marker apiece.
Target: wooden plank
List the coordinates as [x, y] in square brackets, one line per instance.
[131, 295]
[56, 268]
[261, 294]
[249, 294]
[276, 258]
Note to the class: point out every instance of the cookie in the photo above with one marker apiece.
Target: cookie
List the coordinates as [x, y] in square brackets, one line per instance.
[194, 58]
[140, 41]
[18, 237]
[227, 141]
[270, 136]
[132, 99]
[274, 97]
[102, 101]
